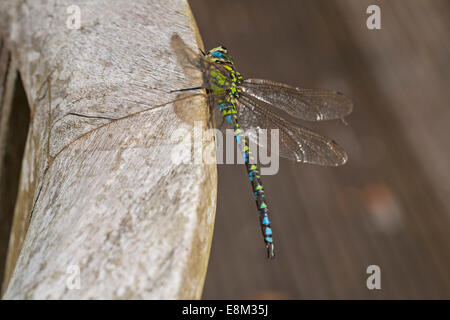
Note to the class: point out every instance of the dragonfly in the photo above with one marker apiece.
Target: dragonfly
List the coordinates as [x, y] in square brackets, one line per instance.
[247, 105]
[251, 104]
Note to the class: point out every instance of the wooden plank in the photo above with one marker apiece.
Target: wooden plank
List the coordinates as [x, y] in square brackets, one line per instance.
[112, 207]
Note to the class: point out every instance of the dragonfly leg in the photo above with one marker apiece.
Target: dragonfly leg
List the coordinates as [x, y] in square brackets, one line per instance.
[187, 89]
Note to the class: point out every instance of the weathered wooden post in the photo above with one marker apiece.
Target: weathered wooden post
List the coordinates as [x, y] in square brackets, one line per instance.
[108, 213]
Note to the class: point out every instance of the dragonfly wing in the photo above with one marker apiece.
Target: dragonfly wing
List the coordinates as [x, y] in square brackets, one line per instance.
[295, 143]
[304, 104]
[112, 134]
[187, 58]
[194, 62]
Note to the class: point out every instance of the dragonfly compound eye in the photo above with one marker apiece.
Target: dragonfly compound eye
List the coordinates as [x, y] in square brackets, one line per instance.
[218, 55]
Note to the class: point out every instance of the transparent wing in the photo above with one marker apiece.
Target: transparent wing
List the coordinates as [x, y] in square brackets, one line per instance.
[304, 104]
[295, 143]
[115, 134]
[187, 58]
[191, 61]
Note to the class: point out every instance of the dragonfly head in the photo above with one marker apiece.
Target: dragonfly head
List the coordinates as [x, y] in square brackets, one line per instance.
[219, 54]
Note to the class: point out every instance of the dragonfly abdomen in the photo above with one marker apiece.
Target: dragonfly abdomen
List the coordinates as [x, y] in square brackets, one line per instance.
[228, 109]
[263, 210]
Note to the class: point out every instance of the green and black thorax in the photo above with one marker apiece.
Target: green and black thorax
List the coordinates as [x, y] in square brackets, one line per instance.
[223, 76]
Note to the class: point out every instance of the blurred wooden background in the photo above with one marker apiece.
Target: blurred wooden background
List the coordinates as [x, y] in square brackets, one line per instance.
[389, 205]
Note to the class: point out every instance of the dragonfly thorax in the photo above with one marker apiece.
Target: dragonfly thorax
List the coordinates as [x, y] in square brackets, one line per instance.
[223, 75]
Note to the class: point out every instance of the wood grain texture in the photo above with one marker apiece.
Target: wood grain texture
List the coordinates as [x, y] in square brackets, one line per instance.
[114, 202]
